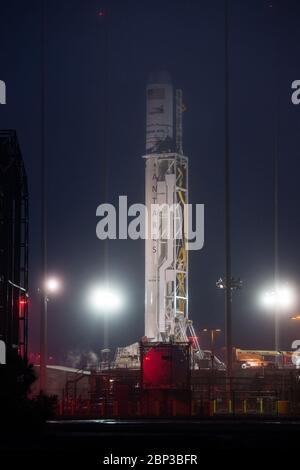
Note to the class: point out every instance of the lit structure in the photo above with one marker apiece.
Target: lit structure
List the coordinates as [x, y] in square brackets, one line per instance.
[166, 256]
[52, 285]
[283, 296]
[235, 284]
[104, 299]
[296, 317]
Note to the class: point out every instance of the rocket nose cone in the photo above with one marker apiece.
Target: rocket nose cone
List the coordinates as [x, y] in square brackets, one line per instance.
[160, 76]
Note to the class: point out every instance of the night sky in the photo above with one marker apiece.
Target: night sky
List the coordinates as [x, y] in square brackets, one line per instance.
[185, 37]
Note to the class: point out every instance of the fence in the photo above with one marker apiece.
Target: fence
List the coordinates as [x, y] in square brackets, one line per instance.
[118, 394]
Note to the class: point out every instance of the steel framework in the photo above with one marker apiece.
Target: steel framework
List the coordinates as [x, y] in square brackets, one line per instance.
[13, 245]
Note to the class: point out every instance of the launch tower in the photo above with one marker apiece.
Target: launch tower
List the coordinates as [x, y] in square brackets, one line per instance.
[13, 245]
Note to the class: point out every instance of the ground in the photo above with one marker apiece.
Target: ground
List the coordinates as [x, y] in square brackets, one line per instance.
[93, 441]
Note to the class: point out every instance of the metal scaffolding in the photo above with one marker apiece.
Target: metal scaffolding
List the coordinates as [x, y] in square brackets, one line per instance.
[13, 245]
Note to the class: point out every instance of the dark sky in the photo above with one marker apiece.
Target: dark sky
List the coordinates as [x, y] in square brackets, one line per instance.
[186, 37]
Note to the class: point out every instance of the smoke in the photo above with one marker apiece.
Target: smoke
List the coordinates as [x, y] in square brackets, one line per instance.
[82, 359]
[92, 359]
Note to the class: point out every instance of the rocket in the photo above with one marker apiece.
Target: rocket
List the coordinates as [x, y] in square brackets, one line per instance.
[166, 186]
[166, 254]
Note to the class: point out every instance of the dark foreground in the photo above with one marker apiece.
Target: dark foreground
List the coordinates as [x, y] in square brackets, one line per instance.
[90, 441]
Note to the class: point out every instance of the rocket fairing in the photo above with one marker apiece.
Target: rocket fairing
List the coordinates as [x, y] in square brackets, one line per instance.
[159, 114]
[166, 260]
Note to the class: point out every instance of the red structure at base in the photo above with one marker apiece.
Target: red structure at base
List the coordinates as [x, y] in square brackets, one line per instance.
[165, 379]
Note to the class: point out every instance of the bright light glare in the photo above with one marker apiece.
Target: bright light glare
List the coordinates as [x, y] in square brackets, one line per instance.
[283, 297]
[104, 299]
[52, 285]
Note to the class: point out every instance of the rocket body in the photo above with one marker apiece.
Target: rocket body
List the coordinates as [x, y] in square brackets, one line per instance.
[166, 261]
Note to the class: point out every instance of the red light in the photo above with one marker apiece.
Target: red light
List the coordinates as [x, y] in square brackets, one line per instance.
[102, 13]
[193, 340]
[23, 302]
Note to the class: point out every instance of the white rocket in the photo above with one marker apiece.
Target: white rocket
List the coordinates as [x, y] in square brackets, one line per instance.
[166, 257]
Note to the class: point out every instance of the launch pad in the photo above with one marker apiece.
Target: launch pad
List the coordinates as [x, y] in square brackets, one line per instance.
[160, 391]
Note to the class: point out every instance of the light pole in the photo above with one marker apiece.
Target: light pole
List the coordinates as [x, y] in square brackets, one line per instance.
[212, 332]
[44, 251]
[51, 285]
[227, 196]
[234, 284]
[105, 301]
[280, 298]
